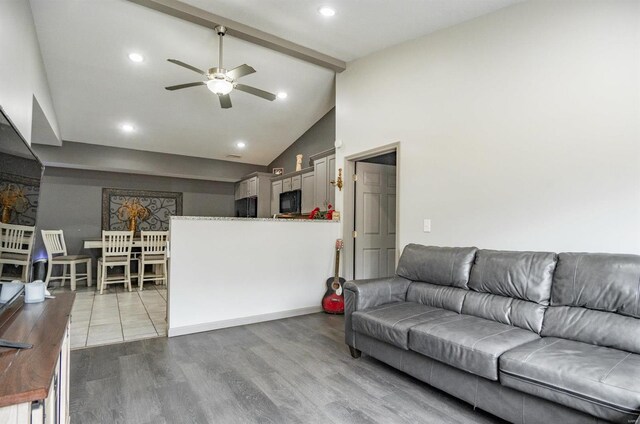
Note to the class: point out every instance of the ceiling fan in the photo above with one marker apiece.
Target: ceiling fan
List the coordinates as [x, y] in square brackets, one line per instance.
[221, 81]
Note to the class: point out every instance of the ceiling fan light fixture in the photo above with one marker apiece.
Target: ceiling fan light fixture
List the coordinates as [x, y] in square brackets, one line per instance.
[327, 11]
[220, 86]
[136, 57]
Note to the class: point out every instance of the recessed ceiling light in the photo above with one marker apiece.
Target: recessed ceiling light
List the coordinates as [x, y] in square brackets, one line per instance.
[240, 144]
[282, 95]
[327, 11]
[136, 57]
[128, 128]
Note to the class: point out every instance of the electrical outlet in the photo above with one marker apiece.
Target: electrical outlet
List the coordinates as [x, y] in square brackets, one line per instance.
[427, 225]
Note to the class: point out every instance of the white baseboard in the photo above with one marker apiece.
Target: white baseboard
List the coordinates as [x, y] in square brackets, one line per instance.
[208, 326]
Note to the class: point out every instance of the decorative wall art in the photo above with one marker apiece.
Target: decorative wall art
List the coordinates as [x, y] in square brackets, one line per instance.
[136, 210]
[19, 199]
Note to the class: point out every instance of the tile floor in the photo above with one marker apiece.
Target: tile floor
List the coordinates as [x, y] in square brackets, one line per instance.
[117, 315]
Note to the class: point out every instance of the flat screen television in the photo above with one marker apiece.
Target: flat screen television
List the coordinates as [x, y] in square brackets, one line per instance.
[20, 177]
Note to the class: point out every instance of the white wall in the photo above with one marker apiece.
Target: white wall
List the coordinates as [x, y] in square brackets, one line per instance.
[22, 73]
[233, 272]
[517, 130]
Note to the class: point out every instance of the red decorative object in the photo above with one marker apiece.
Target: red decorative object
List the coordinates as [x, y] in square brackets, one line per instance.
[313, 213]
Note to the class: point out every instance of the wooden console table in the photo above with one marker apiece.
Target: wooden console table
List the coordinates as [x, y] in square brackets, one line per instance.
[34, 383]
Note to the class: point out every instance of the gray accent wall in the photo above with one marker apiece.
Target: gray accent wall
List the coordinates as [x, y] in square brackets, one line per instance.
[320, 137]
[71, 200]
[115, 159]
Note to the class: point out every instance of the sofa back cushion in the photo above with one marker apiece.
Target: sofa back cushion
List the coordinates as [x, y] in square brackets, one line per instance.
[444, 297]
[444, 266]
[511, 287]
[596, 299]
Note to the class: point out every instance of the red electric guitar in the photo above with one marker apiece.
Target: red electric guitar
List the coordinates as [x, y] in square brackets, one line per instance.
[333, 300]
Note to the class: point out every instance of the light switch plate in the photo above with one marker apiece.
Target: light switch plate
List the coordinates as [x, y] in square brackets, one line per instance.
[427, 225]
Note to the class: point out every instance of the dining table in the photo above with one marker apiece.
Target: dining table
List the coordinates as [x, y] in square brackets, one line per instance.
[96, 243]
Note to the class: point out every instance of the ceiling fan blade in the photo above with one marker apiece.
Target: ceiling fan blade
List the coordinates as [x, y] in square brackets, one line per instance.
[184, 65]
[240, 71]
[225, 101]
[256, 92]
[187, 85]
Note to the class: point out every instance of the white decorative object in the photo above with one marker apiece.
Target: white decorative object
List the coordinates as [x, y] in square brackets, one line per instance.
[298, 162]
[34, 292]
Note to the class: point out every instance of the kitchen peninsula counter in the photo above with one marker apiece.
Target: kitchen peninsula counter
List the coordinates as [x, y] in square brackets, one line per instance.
[234, 271]
[226, 218]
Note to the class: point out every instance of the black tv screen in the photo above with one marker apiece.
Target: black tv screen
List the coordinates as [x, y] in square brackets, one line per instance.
[20, 175]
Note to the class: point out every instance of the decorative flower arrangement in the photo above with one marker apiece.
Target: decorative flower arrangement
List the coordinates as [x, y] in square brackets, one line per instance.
[318, 214]
[12, 198]
[132, 211]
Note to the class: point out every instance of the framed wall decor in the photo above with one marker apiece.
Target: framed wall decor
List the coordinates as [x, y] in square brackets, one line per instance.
[277, 171]
[19, 199]
[137, 210]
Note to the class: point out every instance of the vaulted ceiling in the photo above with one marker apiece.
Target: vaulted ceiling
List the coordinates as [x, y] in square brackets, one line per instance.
[96, 88]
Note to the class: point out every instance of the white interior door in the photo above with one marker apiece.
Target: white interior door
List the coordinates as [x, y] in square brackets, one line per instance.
[375, 243]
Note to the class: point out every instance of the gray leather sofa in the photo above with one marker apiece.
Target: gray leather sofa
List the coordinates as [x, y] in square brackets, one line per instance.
[531, 337]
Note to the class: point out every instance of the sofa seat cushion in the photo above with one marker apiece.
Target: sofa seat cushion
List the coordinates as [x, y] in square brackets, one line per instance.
[598, 380]
[391, 322]
[469, 343]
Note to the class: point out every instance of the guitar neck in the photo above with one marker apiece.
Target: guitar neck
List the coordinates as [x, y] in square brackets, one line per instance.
[337, 271]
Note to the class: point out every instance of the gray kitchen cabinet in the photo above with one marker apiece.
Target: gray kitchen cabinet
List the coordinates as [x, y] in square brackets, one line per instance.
[257, 184]
[252, 187]
[296, 182]
[286, 185]
[331, 189]
[308, 192]
[324, 172]
[241, 190]
[276, 189]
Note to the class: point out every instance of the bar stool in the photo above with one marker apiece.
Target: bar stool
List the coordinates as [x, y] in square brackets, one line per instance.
[55, 245]
[154, 252]
[16, 242]
[116, 251]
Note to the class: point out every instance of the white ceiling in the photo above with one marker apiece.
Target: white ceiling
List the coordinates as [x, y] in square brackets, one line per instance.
[359, 27]
[96, 88]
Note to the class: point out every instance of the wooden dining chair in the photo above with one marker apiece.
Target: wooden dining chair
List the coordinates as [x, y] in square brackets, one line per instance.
[55, 245]
[16, 242]
[153, 252]
[116, 251]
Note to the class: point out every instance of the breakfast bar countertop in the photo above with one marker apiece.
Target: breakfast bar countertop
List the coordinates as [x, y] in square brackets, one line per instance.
[231, 218]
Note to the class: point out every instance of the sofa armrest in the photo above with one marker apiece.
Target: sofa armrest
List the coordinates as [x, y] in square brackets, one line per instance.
[362, 294]
[377, 291]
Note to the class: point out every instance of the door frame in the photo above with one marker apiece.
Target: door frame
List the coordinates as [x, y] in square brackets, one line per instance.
[348, 203]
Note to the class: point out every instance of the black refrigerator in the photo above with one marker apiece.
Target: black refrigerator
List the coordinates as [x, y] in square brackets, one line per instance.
[247, 207]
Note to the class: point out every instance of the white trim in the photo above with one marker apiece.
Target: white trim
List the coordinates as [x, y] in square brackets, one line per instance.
[216, 325]
[348, 218]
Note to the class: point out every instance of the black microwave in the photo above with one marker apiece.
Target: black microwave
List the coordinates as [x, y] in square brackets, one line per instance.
[291, 201]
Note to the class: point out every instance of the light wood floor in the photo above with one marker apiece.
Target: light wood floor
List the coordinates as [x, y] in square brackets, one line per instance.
[296, 370]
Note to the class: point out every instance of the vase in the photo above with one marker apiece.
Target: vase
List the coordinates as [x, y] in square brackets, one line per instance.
[132, 225]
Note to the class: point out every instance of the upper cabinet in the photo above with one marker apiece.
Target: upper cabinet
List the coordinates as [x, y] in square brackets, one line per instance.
[252, 187]
[257, 185]
[276, 189]
[308, 187]
[324, 173]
